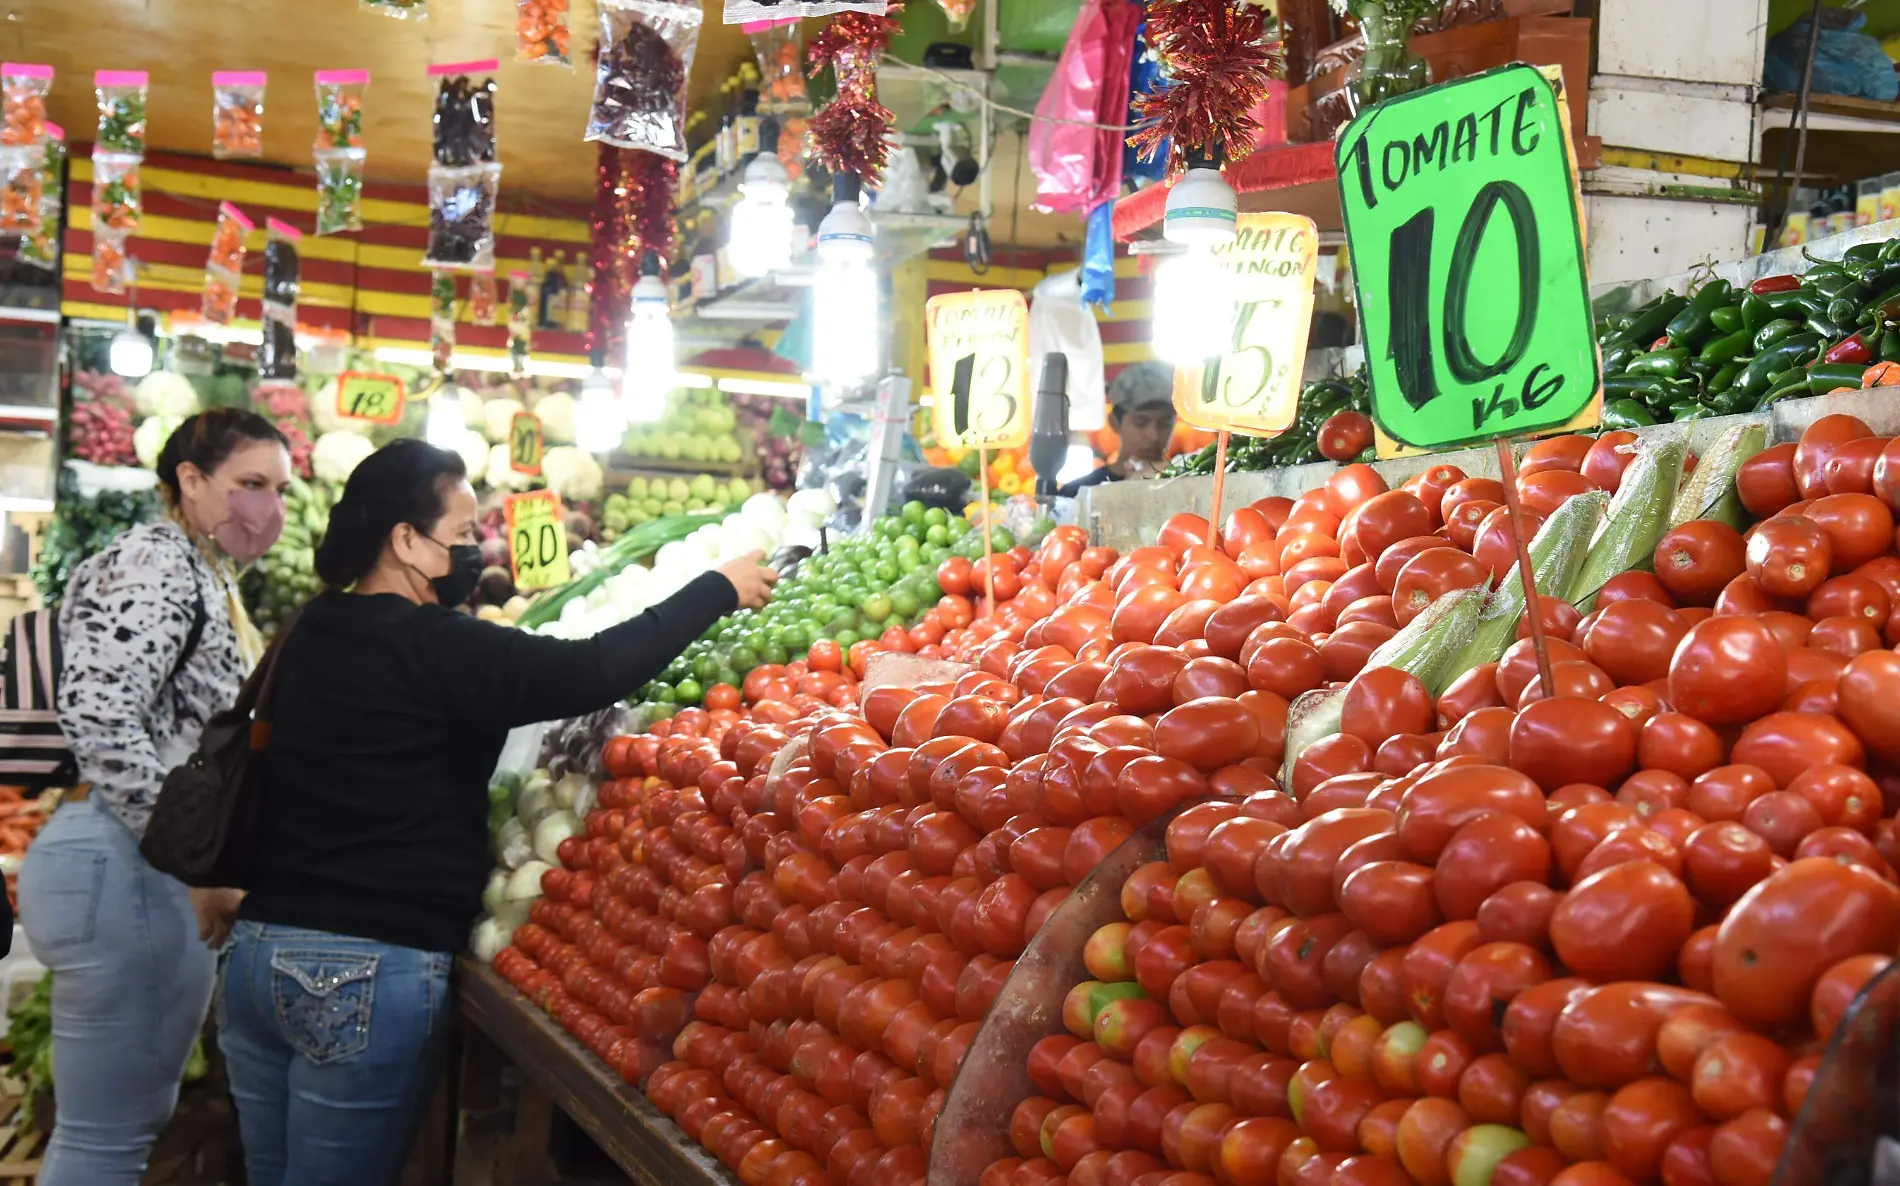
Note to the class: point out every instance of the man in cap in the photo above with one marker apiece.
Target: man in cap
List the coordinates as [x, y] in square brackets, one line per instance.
[1141, 411]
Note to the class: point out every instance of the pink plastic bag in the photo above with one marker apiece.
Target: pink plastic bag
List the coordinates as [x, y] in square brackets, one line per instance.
[1075, 166]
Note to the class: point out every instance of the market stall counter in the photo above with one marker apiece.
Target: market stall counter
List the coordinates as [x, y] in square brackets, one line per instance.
[557, 1072]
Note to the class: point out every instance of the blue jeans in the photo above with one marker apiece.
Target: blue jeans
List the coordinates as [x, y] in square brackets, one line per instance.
[331, 1043]
[131, 982]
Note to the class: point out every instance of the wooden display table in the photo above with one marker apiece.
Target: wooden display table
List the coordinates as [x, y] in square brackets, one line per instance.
[559, 1073]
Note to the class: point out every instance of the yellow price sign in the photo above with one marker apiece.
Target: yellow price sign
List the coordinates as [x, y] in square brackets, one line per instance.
[526, 443]
[979, 368]
[1255, 386]
[537, 539]
[365, 395]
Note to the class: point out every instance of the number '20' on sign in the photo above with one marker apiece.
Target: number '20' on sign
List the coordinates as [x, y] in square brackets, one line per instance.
[1461, 215]
[537, 539]
[979, 368]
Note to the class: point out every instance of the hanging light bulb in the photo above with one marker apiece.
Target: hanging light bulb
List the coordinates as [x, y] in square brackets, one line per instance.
[846, 337]
[1193, 293]
[599, 420]
[761, 239]
[445, 427]
[131, 352]
[649, 374]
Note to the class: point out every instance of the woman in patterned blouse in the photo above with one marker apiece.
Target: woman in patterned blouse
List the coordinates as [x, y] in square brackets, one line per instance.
[156, 641]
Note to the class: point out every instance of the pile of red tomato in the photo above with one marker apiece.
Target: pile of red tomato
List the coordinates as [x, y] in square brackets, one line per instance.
[1587, 937]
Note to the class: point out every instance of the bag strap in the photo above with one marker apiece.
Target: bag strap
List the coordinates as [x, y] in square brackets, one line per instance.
[200, 616]
[260, 690]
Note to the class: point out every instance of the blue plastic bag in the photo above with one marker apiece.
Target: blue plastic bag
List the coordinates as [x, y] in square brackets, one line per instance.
[1098, 257]
[1846, 61]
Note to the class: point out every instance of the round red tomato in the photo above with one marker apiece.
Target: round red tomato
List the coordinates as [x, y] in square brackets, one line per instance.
[1727, 671]
[1695, 560]
[1766, 481]
[1623, 923]
[1344, 435]
[1869, 698]
[1859, 527]
[1778, 940]
[1788, 556]
[1568, 739]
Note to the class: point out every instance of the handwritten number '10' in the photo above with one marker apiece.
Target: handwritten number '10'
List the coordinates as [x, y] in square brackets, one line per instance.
[1408, 277]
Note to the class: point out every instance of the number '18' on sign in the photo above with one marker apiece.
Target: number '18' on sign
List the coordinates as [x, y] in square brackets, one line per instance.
[1461, 215]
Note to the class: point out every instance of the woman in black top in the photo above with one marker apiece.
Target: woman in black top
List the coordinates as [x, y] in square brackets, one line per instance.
[391, 709]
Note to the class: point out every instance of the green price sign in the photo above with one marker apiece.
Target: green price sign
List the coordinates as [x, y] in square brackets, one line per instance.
[1461, 215]
[525, 443]
[362, 395]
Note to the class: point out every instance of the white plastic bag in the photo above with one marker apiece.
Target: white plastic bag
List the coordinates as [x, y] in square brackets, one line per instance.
[1058, 320]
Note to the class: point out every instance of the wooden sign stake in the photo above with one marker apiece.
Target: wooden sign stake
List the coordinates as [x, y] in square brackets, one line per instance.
[989, 566]
[1532, 606]
[1220, 483]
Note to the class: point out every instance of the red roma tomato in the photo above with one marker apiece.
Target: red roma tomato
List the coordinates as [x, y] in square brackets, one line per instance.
[1243, 529]
[1529, 1023]
[1818, 445]
[1789, 556]
[1428, 576]
[1641, 1120]
[1518, 667]
[1303, 870]
[1475, 689]
[1724, 860]
[1626, 586]
[1547, 490]
[1850, 596]
[1219, 580]
[1556, 453]
[1345, 651]
[1387, 518]
[1745, 1151]
[1607, 458]
[1787, 743]
[1470, 490]
[1140, 612]
[1724, 792]
[1385, 701]
[1859, 527]
[1606, 1037]
[1766, 481]
[1786, 932]
[1351, 486]
[1572, 739]
[1838, 987]
[1623, 923]
[1484, 734]
[1425, 1136]
[1695, 560]
[1436, 806]
[1483, 985]
[1727, 671]
[1286, 667]
[1851, 469]
[1869, 697]
[953, 575]
[1344, 435]
[1185, 623]
[1208, 733]
[1844, 636]
[1391, 901]
[1494, 546]
[1484, 856]
[1228, 627]
[1461, 525]
[1678, 744]
[1183, 531]
[1738, 1072]
[1141, 679]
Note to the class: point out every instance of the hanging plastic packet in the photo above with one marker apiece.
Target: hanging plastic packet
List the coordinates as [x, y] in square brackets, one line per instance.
[442, 319]
[464, 113]
[41, 248]
[541, 32]
[224, 265]
[462, 216]
[781, 66]
[739, 12]
[520, 321]
[402, 10]
[108, 260]
[237, 115]
[121, 96]
[340, 190]
[482, 296]
[277, 355]
[646, 53]
[117, 201]
[340, 108]
[23, 90]
[22, 188]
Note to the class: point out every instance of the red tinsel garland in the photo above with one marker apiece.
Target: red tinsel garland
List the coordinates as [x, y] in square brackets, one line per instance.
[1219, 55]
[849, 131]
[633, 214]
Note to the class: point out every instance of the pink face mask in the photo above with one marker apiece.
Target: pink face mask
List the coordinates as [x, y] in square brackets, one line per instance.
[255, 522]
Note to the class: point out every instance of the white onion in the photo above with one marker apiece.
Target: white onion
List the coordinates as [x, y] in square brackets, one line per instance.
[554, 827]
[524, 884]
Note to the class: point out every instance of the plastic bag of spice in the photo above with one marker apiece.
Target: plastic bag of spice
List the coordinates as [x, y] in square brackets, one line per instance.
[22, 188]
[108, 260]
[541, 32]
[462, 216]
[482, 296]
[340, 190]
[227, 240]
[121, 95]
[117, 201]
[646, 53]
[442, 319]
[340, 108]
[464, 113]
[41, 248]
[237, 115]
[23, 91]
[277, 354]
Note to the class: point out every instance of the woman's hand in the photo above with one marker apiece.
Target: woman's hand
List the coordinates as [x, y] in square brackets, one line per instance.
[217, 910]
[751, 579]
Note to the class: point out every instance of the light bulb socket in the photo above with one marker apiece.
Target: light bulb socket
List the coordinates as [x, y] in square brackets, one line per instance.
[845, 187]
[649, 264]
[768, 136]
[1202, 208]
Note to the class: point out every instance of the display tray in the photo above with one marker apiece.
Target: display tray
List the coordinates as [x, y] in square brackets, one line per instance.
[646, 1145]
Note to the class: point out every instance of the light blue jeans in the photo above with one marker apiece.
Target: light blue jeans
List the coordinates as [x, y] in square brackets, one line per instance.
[131, 983]
[332, 1044]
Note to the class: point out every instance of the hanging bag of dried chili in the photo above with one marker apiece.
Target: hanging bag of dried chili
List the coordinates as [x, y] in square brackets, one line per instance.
[646, 53]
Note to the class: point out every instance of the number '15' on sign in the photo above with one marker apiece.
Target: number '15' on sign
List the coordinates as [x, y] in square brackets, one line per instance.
[1460, 206]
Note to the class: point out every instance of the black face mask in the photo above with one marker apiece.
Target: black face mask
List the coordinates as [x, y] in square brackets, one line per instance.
[465, 572]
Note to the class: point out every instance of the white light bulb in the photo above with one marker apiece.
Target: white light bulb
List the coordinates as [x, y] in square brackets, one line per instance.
[445, 426]
[1193, 308]
[650, 373]
[761, 239]
[130, 354]
[846, 336]
[599, 420]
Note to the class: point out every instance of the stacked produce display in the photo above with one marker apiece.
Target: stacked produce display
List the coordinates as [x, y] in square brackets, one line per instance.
[1420, 918]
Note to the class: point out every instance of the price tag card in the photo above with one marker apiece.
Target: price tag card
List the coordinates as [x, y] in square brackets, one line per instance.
[1255, 386]
[362, 395]
[979, 368]
[537, 539]
[525, 443]
[1461, 213]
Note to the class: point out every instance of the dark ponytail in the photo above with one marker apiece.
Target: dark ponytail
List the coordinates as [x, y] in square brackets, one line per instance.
[405, 481]
[207, 439]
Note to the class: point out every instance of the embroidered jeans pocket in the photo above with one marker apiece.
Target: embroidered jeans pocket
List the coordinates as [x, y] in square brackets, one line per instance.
[323, 1001]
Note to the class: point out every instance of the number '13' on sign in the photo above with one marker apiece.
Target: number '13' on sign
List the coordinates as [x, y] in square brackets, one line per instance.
[1460, 206]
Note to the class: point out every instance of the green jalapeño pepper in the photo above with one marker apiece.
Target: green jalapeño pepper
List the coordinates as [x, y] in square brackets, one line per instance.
[1832, 372]
[1726, 348]
[1756, 312]
[1649, 322]
[1774, 331]
[1626, 413]
[1724, 378]
[1661, 364]
[1690, 326]
[1727, 319]
[1757, 379]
